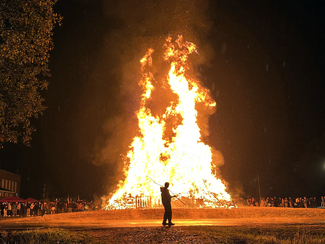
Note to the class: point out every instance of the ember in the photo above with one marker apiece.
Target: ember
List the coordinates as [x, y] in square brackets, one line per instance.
[170, 146]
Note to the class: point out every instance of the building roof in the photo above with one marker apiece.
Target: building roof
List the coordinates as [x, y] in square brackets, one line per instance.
[2, 189]
[7, 172]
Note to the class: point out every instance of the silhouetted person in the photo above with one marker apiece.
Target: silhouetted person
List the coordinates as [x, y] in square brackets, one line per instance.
[2, 207]
[166, 201]
[305, 201]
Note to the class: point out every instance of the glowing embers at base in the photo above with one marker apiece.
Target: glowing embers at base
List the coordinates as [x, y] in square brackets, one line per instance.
[134, 202]
[170, 144]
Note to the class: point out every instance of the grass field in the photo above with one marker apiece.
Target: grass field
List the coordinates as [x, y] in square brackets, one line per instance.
[198, 234]
[252, 233]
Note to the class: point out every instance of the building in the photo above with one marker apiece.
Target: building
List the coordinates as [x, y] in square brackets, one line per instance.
[9, 184]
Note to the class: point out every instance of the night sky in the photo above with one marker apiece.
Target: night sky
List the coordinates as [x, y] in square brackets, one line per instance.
[262, 60]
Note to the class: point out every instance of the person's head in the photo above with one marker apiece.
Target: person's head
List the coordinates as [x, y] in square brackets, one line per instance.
[166, 184]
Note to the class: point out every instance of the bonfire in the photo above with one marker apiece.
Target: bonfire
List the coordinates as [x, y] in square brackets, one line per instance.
[170, 146]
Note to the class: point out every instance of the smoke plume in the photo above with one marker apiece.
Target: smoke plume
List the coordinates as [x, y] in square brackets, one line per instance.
[137, 26]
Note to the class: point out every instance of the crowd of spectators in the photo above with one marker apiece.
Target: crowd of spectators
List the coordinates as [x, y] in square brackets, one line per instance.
[26, 209]
[298, 202]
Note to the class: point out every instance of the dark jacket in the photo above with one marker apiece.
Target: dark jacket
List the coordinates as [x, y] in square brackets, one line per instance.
[165, 195]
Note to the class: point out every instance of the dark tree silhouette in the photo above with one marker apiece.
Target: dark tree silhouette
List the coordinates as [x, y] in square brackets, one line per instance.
[25, 41]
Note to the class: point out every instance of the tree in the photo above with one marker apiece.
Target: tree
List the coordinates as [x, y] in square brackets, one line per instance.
[25, 41]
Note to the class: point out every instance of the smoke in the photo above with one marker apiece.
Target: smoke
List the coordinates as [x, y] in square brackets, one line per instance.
[159, 18]
[136, 26]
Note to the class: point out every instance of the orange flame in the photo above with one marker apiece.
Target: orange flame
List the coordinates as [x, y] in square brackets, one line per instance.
[183, 160]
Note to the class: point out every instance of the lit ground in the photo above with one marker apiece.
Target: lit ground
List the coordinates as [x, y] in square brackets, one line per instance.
[192, 225]
[182, 217]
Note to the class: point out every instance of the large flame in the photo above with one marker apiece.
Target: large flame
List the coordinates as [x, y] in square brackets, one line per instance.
[181, 157]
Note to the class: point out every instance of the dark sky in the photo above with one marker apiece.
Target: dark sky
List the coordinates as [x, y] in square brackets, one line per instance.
[262, 60]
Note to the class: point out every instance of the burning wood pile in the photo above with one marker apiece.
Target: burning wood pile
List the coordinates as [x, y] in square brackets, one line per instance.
[170, 146]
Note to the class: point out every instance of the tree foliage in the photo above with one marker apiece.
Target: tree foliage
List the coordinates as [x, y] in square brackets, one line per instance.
[25, 41]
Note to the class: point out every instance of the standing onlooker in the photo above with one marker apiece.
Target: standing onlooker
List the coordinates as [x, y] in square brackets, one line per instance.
[36, 206]
[5, 207]
[290, 202]
[14, 209]
[24, 209]
[252, 202]
[166, 200]
[249, 202]
[298, 202]
[314, 202]
[305, 201]
[286, 202]
[19, 209]
[262, 202]
[28, 209]
[310, 202]
[9, 209]
[53, 208]
[322, 204]
[1, 209]
[32, 205]
[41, 208]
[274, 202]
